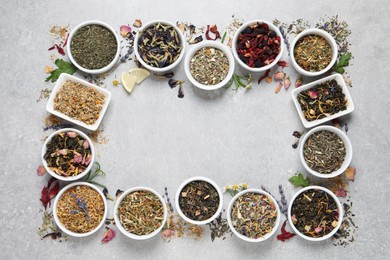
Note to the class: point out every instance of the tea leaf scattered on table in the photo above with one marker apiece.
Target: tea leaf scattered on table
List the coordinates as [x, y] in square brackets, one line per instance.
[63, 67]
[299, 180]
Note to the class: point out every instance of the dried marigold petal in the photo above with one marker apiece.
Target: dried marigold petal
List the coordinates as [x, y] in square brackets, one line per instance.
[350, 173]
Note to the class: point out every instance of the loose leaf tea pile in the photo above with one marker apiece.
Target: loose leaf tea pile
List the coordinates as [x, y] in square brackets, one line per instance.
[257, 45]
[80, 209]
[313, 53]
[209, 66]
[159, 45]
[68, 154]
[93, 47]
[79, 102]
[254, 215]
[324, 152]
[199, 200]
[141, 213]
[314, 213]
[322, 100]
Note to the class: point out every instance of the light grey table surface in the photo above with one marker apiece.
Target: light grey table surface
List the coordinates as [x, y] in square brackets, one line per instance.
[159, 140]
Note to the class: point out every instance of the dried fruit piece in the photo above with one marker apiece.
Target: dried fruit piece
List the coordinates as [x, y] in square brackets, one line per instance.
[128, 81]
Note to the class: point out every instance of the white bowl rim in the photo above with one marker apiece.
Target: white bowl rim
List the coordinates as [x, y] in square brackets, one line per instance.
[339, 208]
[264, 68]
[230, 222]
[341, 83]
[119, 201]
[101, 70]
[169, 67]
[219, 46]
[58, 222]
[72, 178]
[348, 149]
[327, 37]
[177, 197]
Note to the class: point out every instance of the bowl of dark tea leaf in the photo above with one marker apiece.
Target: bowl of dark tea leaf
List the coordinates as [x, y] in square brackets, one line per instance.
[315, 213]
[159, 46]
[68, 154]
[322, 100]
[313, 52]
[80, 209]
[93, 47]
[209, 65]
[253, 215]
[326, 151]
[140, 213]
[257, 46]
[199, 200]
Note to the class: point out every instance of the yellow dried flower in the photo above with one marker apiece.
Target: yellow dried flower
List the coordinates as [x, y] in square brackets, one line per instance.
[235, 187]
[115, 82]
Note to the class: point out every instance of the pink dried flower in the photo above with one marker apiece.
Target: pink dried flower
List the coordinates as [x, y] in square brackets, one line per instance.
[318, 229]
[108, 235]
[88, 160]
[167, 233]
[279, 75]
[278, 87]
[313, 94]
[85, 144]
[298, 82]
[294, 218]
[71, 134]
[268, 79]
[350, 173]
[125, 30]
[283, 63]
[41, 170]
[137, 23]
[77, 158]
[287, 82]
[62, 152]
[341, 193]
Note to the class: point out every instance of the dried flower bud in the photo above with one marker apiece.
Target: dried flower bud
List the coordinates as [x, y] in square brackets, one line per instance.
[85, 144]
[278, 87]
[298, 82]
[287, 82]
[108, 235]
[71, 134]
[313, 94]
[283, 63]
[341, 193]
[137, 23]
[279, 75]
[268, 80]
[88, 160]
[125, 30]
[62, 152]
[41, 170]
[196, 40]
[167, 233]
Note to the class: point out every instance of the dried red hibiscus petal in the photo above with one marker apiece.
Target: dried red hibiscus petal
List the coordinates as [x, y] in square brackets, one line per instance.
[282, 63]
[49, 192]
[213, 29]
[266, 73]
[59, 49]
[285, 234]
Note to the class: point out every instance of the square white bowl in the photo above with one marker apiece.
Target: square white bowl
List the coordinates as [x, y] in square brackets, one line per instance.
[60, 82]
[340, 81]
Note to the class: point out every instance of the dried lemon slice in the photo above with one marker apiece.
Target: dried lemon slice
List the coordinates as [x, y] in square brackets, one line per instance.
[141, 74]
[128, 81]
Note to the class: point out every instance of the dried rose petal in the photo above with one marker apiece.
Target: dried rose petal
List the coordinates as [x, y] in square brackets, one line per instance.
[85, 144]
[313, 94]
[279, 75]
[278, 87]
[350, 173]
[62, 152]
[137, 23]
[71, 134]
[108, 235]
[167, 233]
[125, 30]
[287, 82]
[77, 158]
[318, 229]
[298, 82]
[88, 159]
[341, 193]
[41, 170]
[282, 63]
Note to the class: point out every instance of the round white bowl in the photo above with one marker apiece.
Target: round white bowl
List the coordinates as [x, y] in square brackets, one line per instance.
[80, 175]
[177, 198]
[328, 38]
[230, 222]
[155, 69]
[264, 68]
[111, 64]
[118, 223]
[58, 222]
[206, 44]
[339, 208]
[348, 150]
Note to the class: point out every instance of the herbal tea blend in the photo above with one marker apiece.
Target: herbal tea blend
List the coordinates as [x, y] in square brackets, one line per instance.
[314, 213]
[199, 200]
[141, 213]
[68, 154]
[80, 209]
[254, 215]
[79, 102]
[313, 53]
[257, 45]
[322, 100]
[93, 47]
[159, 45]
[209, 66]
[324, 152]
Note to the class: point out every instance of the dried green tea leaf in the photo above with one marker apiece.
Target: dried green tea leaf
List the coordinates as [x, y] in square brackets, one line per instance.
[299, 180]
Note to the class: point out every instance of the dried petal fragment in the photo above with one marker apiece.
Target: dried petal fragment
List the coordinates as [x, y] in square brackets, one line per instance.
[278, 87]
[287, 82]
[108, 235]
[48, 69]
[298, 82]
[78, 158]
[350, 173]
[137, 23]
[167, 233]
[341, 193]
[41, 170]
[125, 30]
[71, 134]
[265, 75]
[313, 94]
[282, 63]
[279, 75]
[268, 80]
[285, 235]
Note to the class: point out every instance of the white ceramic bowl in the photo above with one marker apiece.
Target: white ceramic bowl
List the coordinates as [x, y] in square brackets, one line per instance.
[80, 175]
[61, 80]
[339, 208]
[328, 38]
[230, 222]
[218, 46]
[58, 222]
[111, 64]
[340, 81]
[177, 198]
[118, 223]
[166, 69]
[348, 149]
[234, 46]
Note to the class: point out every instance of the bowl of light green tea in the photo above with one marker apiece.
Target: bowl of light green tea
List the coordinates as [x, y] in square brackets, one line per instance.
[326, 151]
[93, 47]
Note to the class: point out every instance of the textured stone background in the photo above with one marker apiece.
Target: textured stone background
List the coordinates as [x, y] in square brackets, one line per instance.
[159, 140]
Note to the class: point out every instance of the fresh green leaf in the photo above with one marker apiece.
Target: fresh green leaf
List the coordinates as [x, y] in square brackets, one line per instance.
[299, 180]
[340, 70]
[63, 67]
[343, 62]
